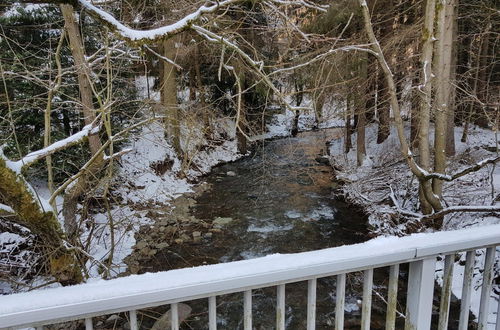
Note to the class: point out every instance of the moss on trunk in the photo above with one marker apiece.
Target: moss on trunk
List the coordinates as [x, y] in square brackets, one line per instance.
[15, 192]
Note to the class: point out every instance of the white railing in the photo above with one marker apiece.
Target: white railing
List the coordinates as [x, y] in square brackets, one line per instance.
[135, 292]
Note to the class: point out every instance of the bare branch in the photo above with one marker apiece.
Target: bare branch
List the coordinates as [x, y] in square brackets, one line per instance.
[164, 58]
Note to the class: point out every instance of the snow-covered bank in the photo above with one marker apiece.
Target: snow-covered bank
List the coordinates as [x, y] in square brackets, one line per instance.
[387, 191]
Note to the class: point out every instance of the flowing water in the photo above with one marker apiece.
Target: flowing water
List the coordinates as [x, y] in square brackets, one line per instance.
[278, 200]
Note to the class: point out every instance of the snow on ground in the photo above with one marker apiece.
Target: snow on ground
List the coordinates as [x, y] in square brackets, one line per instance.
[384, 178]
[281, 124]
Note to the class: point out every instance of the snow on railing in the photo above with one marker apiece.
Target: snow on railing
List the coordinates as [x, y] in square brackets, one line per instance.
[129, 294]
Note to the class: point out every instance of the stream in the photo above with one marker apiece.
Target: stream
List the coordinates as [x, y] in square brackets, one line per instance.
[280, 200]
[277, 200]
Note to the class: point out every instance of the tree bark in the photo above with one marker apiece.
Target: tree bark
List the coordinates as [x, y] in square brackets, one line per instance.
[450, 126]
[83, 72]
[362, 90]
[442, 61]
[16, 192]
[89, 114]
[426, 101]
[384, 124]
[169, 97]
[348, 130]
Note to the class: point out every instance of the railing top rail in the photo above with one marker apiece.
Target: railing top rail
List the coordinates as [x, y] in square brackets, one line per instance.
[140, 291]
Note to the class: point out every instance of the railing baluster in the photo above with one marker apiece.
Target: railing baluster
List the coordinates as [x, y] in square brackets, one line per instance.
[444, 307]
[367, 299]
[88, 324]
[280, 307]
[420, 294]
[133, 320]
[174, 314]
[311, 304]
[392, 297]
[466, 290]
[212, 313]
[247, 310]
[484, 305]
[340, 302]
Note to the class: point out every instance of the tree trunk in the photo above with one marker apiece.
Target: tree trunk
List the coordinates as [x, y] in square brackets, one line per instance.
[201, 92]
[83, 74]
[361, 110]
[442, 61]
[16, 192]
[83, 71]
[425, 185]
[482, 84]
[384, 128]
[319, 102]
[169, 97]
[348, 129]
[425, 102]
[450, 126]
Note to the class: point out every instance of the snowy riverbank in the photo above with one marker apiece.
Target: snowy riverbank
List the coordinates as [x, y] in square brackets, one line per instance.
[388, 193]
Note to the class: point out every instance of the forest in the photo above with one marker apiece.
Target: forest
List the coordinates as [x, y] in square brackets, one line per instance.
[119, 118]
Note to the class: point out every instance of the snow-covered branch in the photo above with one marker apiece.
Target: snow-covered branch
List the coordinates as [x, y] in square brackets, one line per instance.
[445, 177]
[460, 208]
[34, 156]
[144, 36]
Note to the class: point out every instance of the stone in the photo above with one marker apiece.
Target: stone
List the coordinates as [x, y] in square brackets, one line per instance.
[162, 245]
[196, 234]
[141, 245]
[170, 229]
[231, 173]
[208, 235]
[220, 222]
